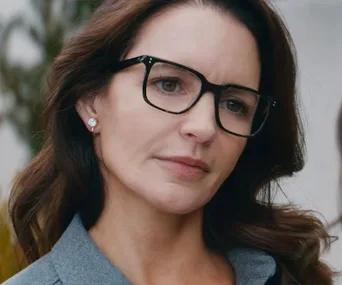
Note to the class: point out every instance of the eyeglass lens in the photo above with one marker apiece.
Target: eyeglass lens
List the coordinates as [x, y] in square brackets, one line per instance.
[174, 89]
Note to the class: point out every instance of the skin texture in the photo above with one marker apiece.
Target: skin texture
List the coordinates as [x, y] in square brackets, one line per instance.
[151, 224]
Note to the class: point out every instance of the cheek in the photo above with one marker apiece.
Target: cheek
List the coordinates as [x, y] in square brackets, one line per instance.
[232, 148]
[130, 128]
[121, 132]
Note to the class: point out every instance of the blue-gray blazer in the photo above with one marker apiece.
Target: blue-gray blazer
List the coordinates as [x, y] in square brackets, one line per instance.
[76, 260]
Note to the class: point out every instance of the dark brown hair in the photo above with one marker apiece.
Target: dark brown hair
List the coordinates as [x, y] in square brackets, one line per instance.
[64, 178]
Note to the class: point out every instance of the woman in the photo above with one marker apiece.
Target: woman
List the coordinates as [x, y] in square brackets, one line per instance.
[339, 144]
[338, 221]
[167, 124]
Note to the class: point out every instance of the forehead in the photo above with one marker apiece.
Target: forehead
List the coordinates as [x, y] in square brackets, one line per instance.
[209, 41]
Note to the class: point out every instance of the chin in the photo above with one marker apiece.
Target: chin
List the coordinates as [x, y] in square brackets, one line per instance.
[179, 210]
[179, 205]
[173, 197]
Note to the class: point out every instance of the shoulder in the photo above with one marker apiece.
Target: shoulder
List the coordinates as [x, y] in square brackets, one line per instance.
[252, 266]
[266, 264]
[41, 272]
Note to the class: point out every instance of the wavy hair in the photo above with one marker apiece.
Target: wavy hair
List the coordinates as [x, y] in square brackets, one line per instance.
[64, 178]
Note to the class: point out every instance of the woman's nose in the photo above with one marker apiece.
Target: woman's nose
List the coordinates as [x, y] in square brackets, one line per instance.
[199, 122]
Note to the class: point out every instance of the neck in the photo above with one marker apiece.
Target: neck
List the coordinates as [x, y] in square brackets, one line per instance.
[147, 244]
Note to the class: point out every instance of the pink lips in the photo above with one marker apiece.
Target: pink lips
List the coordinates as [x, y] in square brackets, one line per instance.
[185, 167]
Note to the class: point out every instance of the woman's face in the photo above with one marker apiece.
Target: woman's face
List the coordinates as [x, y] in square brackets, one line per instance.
[136, 143]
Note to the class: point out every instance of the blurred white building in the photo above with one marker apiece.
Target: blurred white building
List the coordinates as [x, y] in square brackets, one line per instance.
[316, 27]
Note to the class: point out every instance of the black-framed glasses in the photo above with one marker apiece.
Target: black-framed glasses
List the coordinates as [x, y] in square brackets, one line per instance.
[175, 89]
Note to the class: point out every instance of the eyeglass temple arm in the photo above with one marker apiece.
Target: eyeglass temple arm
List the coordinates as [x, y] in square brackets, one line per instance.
[126, 63]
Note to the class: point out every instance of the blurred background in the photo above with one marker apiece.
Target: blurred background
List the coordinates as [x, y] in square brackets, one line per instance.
[32, 32]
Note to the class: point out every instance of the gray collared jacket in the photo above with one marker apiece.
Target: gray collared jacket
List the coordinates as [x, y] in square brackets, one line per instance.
[75, 260]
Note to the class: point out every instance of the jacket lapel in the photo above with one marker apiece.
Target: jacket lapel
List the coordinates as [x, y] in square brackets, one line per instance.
[77, 260]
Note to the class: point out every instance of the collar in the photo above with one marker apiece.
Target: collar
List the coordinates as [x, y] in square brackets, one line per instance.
[78, 260]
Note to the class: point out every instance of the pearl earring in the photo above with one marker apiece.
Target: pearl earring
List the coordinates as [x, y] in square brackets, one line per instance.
[92, 122]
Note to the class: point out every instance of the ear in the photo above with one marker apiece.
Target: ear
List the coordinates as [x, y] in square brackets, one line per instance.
[87, 109]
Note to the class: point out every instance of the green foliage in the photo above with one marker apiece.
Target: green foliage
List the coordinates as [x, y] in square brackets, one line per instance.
[23, 86]
[11, 257]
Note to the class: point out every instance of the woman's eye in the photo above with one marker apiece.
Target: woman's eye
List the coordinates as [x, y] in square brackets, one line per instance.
[235, 106]
[168, 85]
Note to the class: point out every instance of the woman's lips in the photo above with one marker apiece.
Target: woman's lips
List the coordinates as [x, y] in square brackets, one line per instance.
[184, 167]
